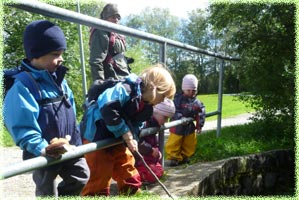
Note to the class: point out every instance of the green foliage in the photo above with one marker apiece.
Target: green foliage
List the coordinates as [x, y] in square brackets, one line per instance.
[140, 61]
[196, 32]
[147, 21]
[231, 83]
[264, 37]
[197, 26]
[5, 139]
[13, 29]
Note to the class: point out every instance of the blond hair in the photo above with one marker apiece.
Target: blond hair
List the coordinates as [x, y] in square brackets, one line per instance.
[158, 79]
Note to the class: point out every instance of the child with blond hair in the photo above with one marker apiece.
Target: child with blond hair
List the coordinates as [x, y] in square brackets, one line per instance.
[117, 113]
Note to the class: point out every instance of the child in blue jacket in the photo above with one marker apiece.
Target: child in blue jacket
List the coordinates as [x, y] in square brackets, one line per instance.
[119, 112]
[36, 123]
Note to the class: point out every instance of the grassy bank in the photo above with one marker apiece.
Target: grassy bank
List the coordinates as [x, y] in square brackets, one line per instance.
[241, 140]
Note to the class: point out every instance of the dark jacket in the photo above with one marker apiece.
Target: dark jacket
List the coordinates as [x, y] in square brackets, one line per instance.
[107, 58]
[188, 107]
[147, 143]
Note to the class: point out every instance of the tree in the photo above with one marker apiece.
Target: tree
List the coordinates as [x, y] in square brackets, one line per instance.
[197, 32]
[179, 61]
[148, 21]
[264, 37]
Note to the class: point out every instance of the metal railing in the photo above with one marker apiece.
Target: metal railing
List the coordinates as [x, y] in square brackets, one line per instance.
[71, 16]
[81, 19]
[41, 161]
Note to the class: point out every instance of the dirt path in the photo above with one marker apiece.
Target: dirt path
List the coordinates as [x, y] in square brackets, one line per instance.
[17, 187]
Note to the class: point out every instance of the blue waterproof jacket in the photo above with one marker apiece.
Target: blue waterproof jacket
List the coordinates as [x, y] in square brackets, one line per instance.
[117, 110]
[32, 125]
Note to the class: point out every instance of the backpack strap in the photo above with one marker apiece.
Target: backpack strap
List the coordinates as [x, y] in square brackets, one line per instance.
[27, 80]
[111, 35]
[110, 54]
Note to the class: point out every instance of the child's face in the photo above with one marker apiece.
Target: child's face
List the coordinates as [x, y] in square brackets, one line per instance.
[190, 93]
[161, 119]
[50, 61]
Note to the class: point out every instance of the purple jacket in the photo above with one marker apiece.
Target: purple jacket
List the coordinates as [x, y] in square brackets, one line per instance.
[188, 107]
[146, 144]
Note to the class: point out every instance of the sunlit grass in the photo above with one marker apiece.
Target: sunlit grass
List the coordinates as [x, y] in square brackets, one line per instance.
[231, 105]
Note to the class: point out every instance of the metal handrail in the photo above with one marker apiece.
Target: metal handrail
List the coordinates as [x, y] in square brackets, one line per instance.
[41, 161]
[71, 16]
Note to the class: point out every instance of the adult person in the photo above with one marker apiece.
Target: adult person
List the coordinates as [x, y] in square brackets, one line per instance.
[107, 59]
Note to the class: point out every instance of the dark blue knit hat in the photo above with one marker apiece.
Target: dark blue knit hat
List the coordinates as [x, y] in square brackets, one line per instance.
[42, 37]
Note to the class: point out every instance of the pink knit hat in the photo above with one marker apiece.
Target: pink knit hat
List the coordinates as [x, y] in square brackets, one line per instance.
[165, 108]
[189, 82]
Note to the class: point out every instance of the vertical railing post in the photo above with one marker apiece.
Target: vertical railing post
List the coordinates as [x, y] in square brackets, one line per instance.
[220, 94]
[161, 145]
[84, 86]
[162, 58]
[162, 53]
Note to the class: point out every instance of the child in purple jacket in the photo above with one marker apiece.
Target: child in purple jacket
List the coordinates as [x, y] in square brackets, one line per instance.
[148, 145]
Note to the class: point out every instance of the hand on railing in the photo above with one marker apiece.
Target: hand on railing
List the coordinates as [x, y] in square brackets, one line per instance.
[57, 147]
[131, 143]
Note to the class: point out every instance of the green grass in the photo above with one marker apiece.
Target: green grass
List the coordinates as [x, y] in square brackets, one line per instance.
[231, 106]
[242, 140]
[5, 139]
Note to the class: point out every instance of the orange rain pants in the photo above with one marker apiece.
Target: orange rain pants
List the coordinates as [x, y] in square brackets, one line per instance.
[115, 162]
